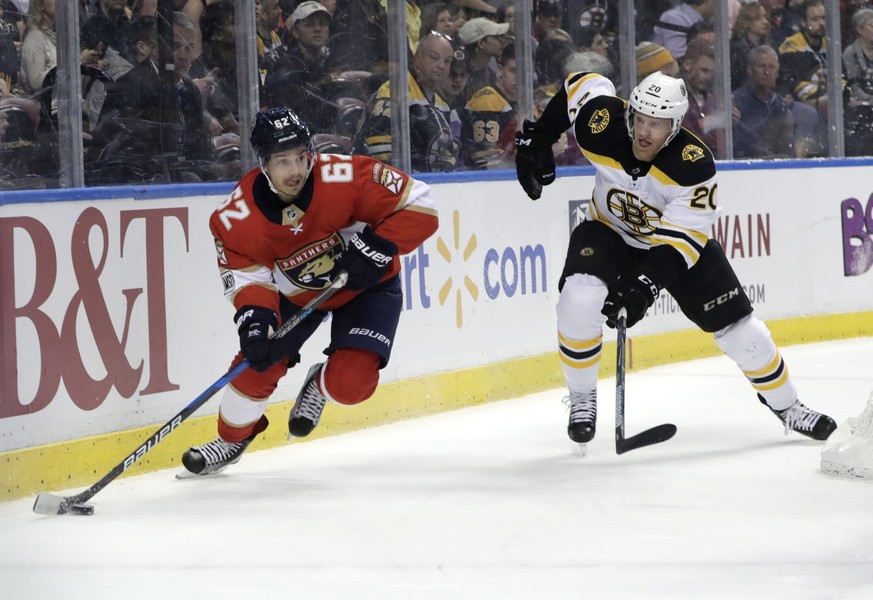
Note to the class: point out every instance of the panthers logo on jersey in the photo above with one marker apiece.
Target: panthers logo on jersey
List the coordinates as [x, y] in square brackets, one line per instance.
[309, 267]
[599, 120]
[219, 250]
[389, 179]
[692, 153]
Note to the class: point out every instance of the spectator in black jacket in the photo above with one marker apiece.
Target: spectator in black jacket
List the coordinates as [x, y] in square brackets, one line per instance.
[108, 29]
[765, 128]
[295, 78]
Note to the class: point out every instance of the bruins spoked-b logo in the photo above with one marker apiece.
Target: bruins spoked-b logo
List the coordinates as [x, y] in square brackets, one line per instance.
[692, 152]
[599, 120]
[633, 211]
[309, 268]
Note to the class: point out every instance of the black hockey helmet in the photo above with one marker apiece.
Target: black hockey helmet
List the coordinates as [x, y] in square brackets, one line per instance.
[278, 129]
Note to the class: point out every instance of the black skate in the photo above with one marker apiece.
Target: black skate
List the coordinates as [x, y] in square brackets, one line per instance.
[583, 416]
[308, 407]
[218, 454]
[806, 421]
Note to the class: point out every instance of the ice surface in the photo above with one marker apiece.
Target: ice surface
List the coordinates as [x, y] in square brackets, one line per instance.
[492, 502]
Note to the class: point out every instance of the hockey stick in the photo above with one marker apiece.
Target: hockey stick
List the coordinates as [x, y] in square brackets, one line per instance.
[655, 435]
[50, 504]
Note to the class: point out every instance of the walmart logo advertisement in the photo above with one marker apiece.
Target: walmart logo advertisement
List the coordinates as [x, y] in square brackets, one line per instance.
[459, 270]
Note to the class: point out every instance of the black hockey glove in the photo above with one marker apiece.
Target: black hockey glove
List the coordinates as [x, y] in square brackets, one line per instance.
[255, 324]
[534, 161]
[366, 259]
[634, 291]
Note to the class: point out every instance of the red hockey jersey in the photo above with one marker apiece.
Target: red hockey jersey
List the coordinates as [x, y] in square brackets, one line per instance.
[266, 247]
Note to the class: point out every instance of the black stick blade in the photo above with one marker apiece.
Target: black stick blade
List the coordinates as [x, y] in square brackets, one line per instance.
[49, 504]
[655, 435]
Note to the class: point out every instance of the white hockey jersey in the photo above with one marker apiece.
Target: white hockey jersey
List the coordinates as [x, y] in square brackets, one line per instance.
[671, 200]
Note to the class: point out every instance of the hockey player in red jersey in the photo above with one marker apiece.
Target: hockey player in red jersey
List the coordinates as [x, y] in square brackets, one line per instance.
[287, 229]
[646, 229]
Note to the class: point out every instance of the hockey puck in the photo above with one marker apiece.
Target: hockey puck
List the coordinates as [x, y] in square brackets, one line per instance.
[80, 509]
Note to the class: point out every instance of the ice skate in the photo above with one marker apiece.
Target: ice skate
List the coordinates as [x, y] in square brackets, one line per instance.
[805, 421]
[583, 416]
[849, 451]
[309, 405]
[217, 455]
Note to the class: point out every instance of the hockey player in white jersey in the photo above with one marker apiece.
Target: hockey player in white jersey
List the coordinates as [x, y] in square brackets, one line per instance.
[647, 229]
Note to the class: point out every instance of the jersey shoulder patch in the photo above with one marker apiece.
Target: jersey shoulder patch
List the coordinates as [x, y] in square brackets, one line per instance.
[686, 160]
[600, 125]
[599, 112]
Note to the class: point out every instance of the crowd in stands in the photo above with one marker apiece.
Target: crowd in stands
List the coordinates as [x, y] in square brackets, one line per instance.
[329, 60]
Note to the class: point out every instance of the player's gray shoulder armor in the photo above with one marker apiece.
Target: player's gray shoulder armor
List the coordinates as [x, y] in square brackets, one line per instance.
[686, 160]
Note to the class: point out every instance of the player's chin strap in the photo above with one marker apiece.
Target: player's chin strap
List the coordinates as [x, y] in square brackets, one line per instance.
[262, 164]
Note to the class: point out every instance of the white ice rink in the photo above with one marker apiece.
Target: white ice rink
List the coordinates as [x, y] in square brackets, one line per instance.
[492, 502]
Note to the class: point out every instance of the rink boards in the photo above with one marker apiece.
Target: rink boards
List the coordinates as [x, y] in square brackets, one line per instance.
[112, 317]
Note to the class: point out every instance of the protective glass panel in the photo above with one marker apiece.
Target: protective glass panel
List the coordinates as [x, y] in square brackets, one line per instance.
[570, 37]
[29, 155]
[779, 81]
[144, 124]
[856, 26]
[330, 62]
[328, 69]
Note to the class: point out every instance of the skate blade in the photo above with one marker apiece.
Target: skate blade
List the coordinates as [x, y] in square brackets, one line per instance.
[848, 472]
[581, 448]
[185, 474]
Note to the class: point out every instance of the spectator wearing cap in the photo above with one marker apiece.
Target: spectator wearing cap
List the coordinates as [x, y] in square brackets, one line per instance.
[483, 43]
[296, 76]
[653, 57]
[671, 30]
